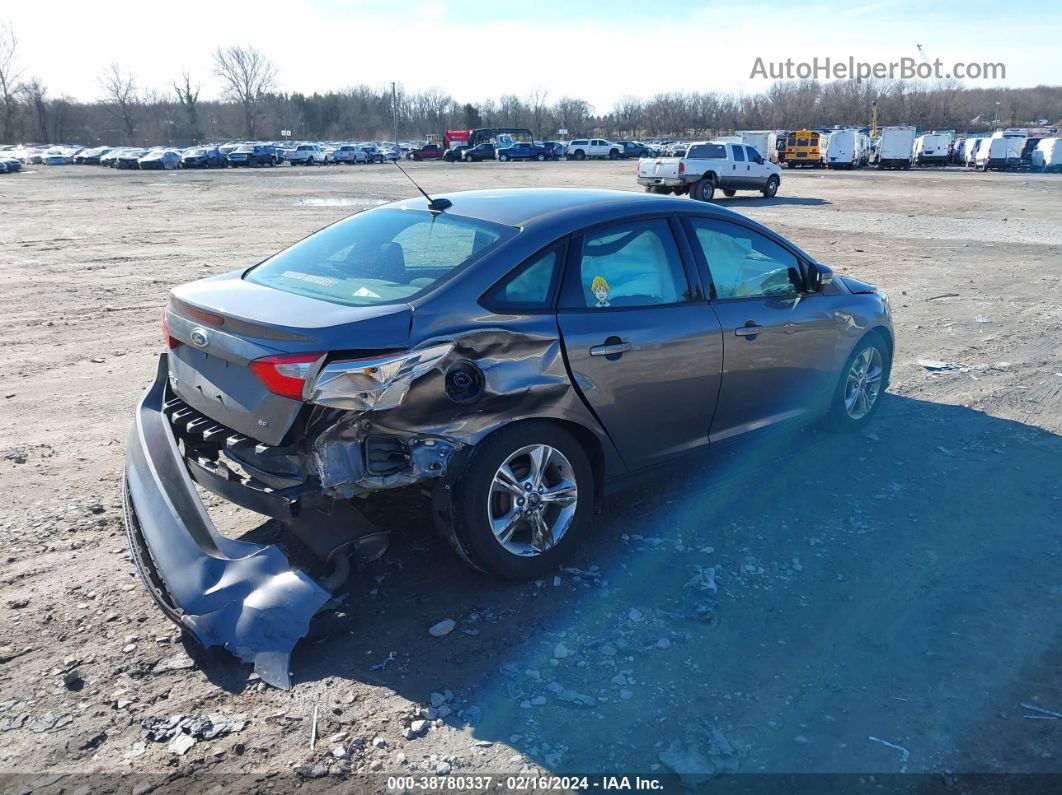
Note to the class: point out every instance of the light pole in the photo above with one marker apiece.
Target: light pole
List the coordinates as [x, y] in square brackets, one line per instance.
[394, 110]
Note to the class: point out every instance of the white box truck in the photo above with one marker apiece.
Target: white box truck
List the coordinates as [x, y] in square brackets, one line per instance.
[896, 147]
[844, 149]
[763, 141]
[932, 149]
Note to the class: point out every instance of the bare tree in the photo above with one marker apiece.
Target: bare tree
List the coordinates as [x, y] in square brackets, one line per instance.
[121, 92]
[537, 103]
[572, 114]
[248, 76]
[189, 99]
[628, 114]
[9, 88]
[33, 93]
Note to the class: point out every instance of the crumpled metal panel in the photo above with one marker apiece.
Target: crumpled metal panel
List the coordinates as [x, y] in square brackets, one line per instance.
[524, 377]
[239, 595]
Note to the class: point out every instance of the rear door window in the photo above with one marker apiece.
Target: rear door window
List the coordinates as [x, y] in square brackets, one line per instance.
[635, 264]
[739, 153]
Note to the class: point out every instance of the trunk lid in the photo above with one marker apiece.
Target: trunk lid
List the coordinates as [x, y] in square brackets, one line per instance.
[223, 323]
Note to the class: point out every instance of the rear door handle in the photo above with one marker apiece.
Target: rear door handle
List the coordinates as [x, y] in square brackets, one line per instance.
[748, 330]
[610, 349]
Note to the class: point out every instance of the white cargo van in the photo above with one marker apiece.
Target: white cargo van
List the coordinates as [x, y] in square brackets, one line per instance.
[999, 154]
[1047, 156]
[932, 149]
[843, 150]
[895, 147]
[763, 141]
[968, 152]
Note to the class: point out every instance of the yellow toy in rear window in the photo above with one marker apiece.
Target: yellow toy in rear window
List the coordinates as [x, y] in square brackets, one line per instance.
[599, 287]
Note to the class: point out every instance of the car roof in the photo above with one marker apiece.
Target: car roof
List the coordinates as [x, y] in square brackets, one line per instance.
[524, 206]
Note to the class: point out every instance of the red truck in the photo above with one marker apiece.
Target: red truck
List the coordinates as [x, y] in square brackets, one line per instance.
[426, 152]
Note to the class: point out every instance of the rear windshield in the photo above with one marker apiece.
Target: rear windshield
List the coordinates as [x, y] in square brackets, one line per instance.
[379, 256]
[707, 152]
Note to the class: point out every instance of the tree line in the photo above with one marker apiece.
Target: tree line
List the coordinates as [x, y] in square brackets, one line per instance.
[252, 107]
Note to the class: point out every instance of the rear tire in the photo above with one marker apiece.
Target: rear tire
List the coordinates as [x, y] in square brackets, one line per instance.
[479, 503]
[730, 194]
[703, 190]
[860, 386]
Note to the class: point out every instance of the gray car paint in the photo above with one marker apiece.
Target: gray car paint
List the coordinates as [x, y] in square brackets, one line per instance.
[534, 366]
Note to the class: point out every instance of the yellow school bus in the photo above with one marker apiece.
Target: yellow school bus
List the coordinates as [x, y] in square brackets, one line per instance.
[804, 148]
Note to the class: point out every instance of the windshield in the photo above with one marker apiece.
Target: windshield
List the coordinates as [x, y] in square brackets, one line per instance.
[379, 256]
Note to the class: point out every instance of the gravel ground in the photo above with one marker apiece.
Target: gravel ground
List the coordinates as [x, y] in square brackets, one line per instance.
[876, 604]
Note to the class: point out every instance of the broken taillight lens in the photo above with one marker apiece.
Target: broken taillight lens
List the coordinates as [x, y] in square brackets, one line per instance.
[285, 375]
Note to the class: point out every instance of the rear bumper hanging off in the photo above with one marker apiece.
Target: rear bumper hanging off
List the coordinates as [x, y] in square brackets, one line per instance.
[243, 596]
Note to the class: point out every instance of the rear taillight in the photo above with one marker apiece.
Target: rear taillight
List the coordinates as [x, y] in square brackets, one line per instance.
[285, 375]
[682, 168]
[171, 341]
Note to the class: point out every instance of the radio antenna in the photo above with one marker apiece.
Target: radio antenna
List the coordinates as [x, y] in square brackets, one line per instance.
[439, 204]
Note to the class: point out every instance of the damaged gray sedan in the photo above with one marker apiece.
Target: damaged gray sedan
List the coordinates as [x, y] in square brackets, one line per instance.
[518, 352]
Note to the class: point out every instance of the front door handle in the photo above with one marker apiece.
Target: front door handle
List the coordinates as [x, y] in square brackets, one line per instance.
[750, 329]
[610, 349]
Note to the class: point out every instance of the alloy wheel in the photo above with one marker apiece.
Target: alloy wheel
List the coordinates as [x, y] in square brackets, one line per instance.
[863, 384]
[532, 500]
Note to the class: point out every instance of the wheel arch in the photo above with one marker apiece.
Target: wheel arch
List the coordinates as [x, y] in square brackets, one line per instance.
[885, 335]
[586, 437]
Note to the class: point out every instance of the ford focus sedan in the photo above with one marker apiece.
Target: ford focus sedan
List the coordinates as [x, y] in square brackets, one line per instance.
[515, 352]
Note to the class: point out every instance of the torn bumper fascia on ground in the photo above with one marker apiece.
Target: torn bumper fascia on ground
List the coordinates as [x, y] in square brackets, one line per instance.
[242, 596]
[523, 375]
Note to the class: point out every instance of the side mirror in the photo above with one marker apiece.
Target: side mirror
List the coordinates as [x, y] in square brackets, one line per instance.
[819, 278]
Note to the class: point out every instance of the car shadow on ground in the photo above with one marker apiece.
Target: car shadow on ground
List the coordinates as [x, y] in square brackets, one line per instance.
[767, 612]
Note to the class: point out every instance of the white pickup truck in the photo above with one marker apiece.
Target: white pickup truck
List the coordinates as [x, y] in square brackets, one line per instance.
[709, 165]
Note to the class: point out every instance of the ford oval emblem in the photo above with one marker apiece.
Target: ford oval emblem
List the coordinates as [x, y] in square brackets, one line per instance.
[200, 338]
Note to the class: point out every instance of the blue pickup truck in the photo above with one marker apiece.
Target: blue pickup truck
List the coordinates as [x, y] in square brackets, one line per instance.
[522, 150]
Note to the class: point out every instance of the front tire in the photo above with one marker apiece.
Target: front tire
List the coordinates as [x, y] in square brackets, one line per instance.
[860, 386]
[523, 501]
[730, 194]
[770, 190]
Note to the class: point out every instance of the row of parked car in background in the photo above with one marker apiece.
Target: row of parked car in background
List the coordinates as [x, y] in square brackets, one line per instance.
[225, 155]
[899, 147]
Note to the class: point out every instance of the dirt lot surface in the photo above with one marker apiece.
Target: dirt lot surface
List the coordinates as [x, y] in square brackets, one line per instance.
[875, 604]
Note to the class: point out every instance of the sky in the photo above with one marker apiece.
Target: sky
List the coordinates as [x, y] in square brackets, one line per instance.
[599, 50]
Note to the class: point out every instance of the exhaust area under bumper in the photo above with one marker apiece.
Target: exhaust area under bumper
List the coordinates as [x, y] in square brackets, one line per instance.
[245, 597]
